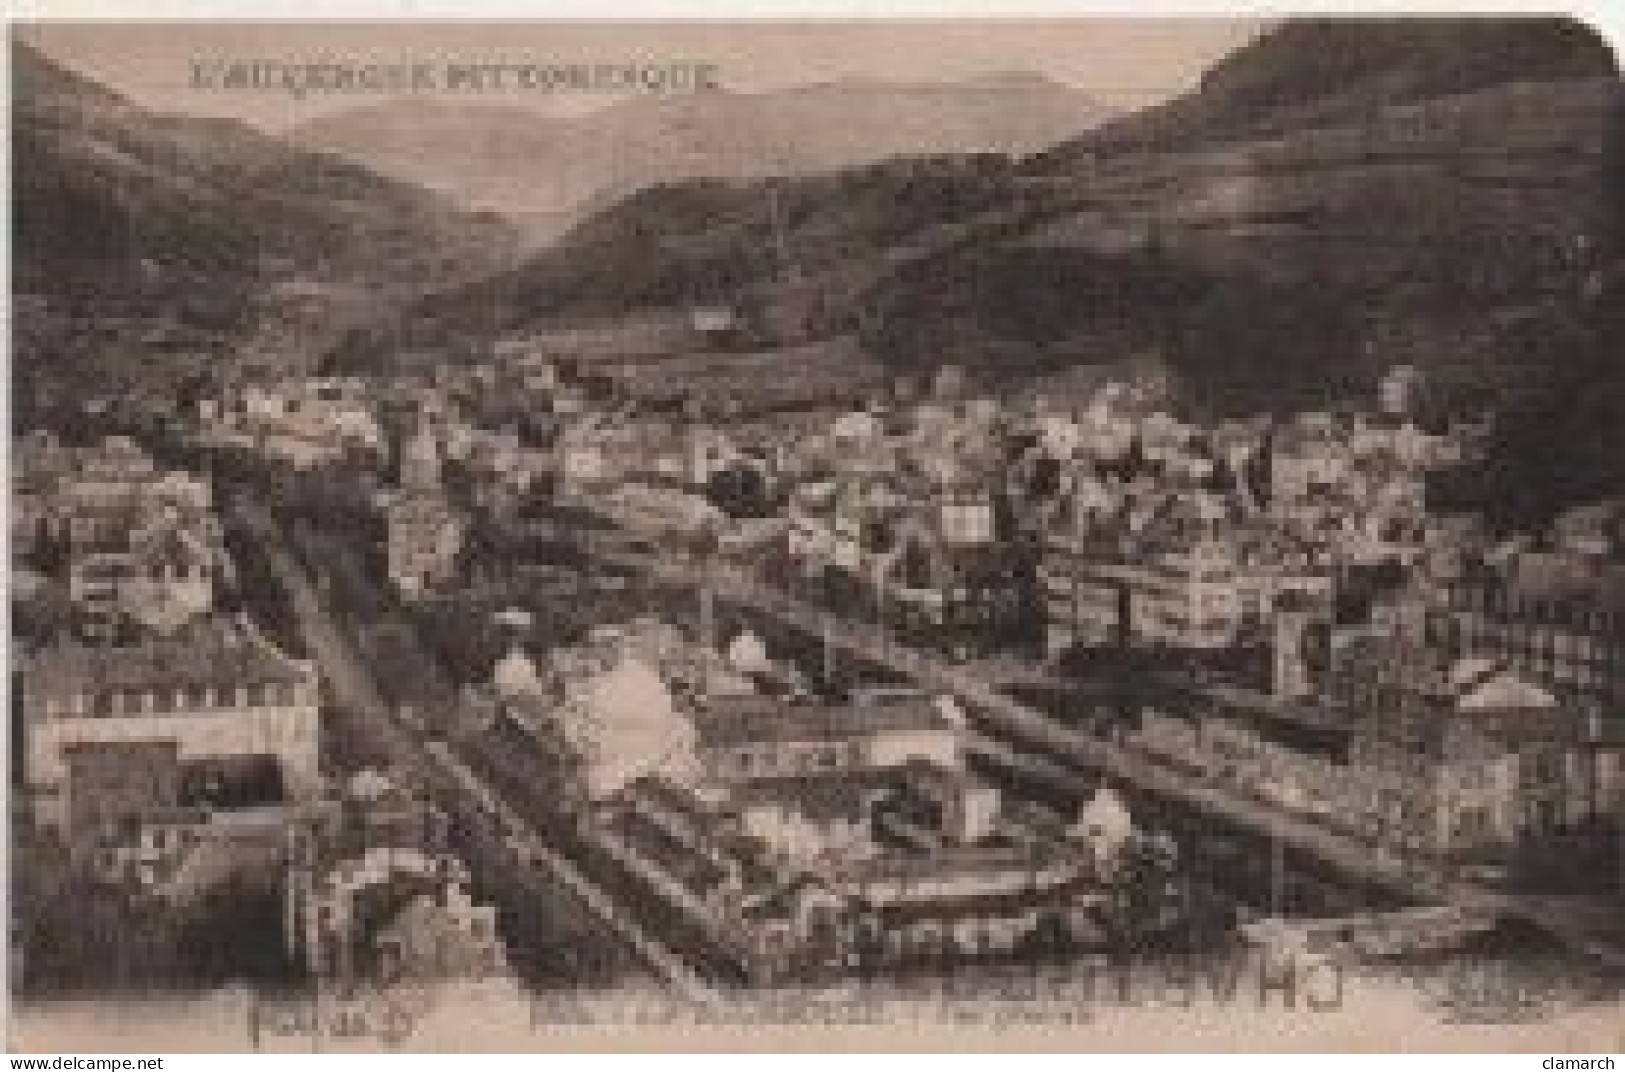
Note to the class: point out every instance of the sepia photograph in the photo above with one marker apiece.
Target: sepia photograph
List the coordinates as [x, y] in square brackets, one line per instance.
[931, 535]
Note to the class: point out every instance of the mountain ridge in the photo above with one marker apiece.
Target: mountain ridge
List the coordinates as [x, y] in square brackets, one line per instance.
[496, 155]
[131, 225]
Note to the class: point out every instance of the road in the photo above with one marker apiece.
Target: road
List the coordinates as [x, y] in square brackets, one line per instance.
[523, 855]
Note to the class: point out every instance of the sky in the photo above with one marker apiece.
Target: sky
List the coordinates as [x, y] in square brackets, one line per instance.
[1125, 62]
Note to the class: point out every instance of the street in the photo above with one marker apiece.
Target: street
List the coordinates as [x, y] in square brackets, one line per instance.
[520, 859]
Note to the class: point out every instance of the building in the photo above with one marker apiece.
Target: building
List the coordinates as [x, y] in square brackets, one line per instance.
[424, 533]
[216, 717]
[824, 783]
[1399, 391]
[1197, 599]
[953, 581]
[1469, 754]
[39, 462]
[1084, 601]
[1300, 648]
[373, 893]
[305, 423]
[181, 854]
[1188, 597]
[137, 548]
[161, 577]
[591, 454]
[742, 739]
[966, 902]
[424, 541]
[93, 497]
[1182, 571]
[609, 711]
[1558, 618]
[824, 837]
[969, 597]
[663, 509]
[1309, 457]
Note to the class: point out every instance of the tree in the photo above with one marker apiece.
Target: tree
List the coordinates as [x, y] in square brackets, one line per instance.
[739, 490]
[1144, 896]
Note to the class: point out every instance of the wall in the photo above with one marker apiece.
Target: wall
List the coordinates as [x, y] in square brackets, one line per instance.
[290, 733]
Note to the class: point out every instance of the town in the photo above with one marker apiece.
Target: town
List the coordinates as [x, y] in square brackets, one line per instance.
[546, 669]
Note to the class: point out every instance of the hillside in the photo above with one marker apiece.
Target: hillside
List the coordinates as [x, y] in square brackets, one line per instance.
[1343, 195]
[1334, 71]
[796, 257]
[529, 166]
[1290, 269]
[1336, 197]
[132, 226]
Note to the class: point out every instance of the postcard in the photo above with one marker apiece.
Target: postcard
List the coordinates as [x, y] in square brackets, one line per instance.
[1097, 533]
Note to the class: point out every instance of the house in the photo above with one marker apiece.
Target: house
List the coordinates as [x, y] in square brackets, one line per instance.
[39, 464]
[1300, 648]
[716, 324]
[161, 577]
[1560, 619]
[1188, 597]
[948, 573]
[106, 491]
[1083, 598]
[1399, 390]
[137, 548]
[1595, 530]
[1310, 456]
[179, 854]
[306, 423]
[1475, 756]
[590, 455]
[662, 509]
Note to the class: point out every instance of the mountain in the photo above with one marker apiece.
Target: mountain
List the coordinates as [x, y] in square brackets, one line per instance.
[545, 170]
[1331, 71]
[1347, 194]
[136, 231]
[1336, 197]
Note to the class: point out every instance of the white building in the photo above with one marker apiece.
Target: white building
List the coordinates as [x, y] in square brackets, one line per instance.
[118, 732]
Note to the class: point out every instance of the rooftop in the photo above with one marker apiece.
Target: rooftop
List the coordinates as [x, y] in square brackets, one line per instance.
[819, 795]
[216, 656]
[954, 861]
[732, 721]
